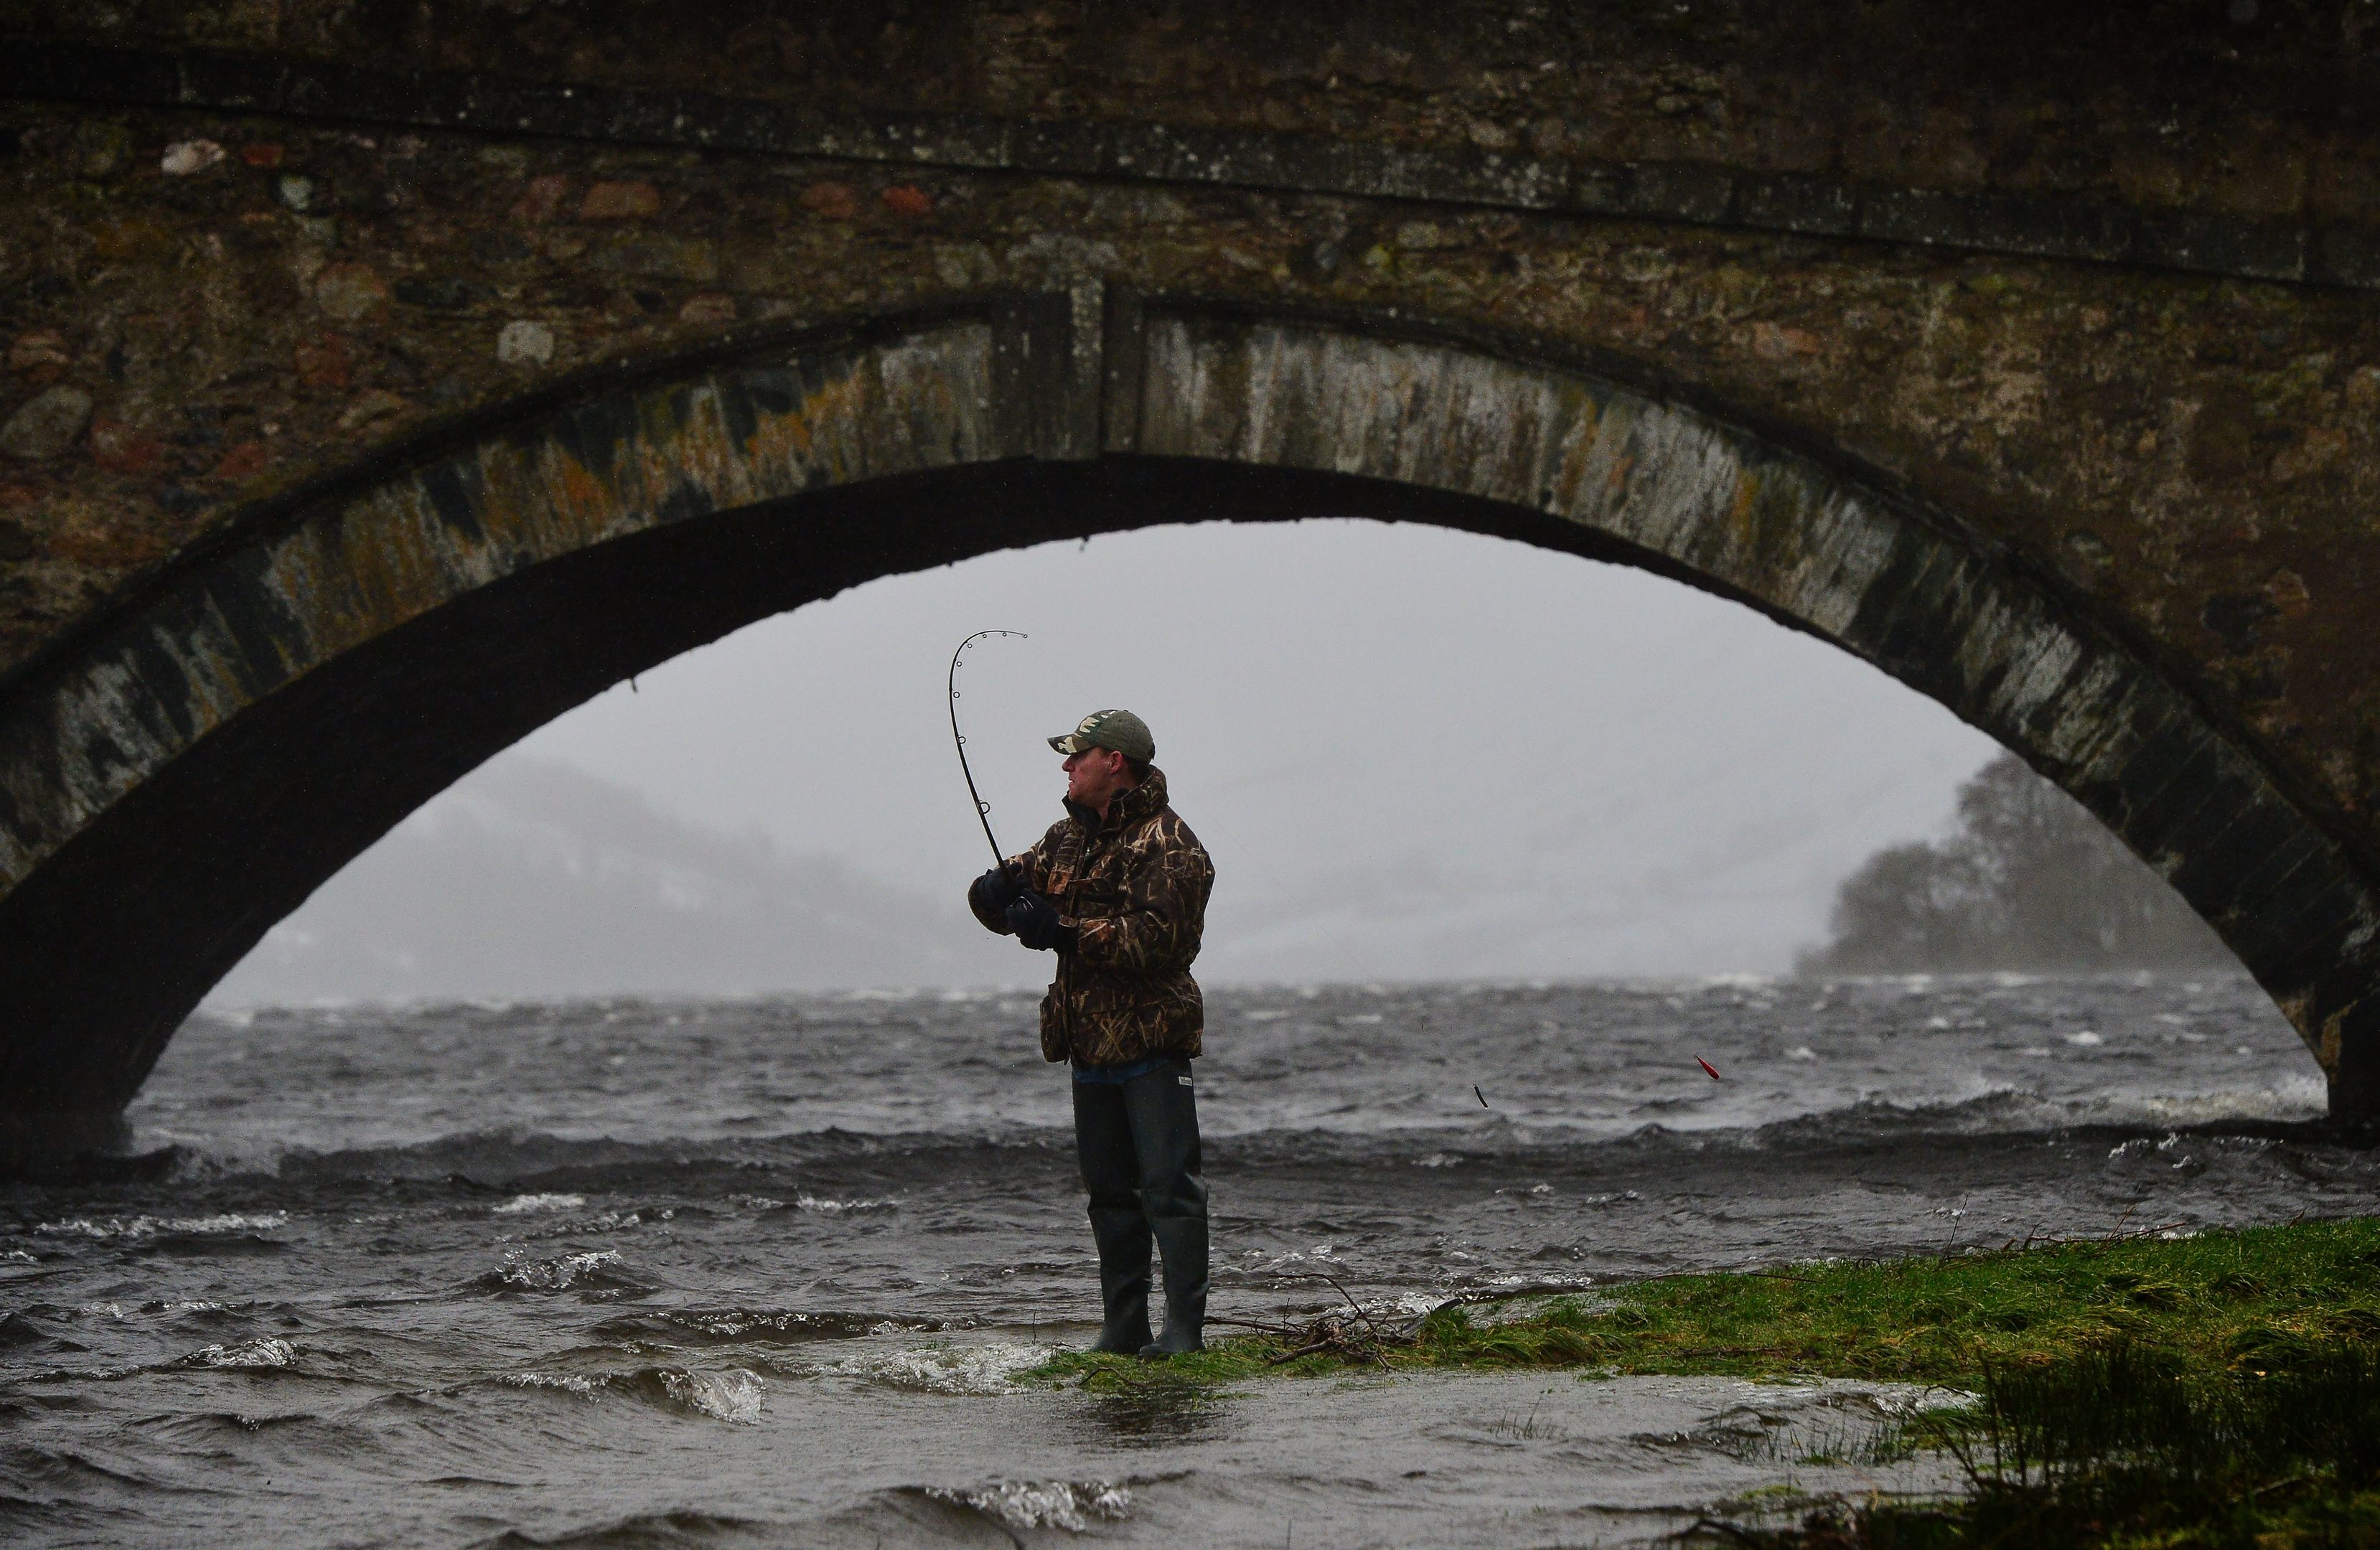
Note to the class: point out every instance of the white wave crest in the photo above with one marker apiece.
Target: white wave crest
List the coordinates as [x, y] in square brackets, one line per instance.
[2294, 1097]
[818, 1206]
[556, 1275]
[732, 1396]
[1043, 1503]
[149, 1227]
[569, 1383]
[984, 1369]
[269, 1351]
[520, 1204]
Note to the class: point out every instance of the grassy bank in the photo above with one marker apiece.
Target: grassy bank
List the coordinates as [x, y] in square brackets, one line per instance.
[2216, 1390]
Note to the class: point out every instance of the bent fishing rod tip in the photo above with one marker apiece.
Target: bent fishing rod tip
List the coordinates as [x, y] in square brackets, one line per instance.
[982, 809]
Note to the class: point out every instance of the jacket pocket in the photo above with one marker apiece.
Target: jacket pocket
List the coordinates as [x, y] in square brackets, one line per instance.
[1053, 1027]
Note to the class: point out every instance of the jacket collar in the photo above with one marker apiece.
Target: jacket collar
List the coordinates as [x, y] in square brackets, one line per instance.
[1130, 807]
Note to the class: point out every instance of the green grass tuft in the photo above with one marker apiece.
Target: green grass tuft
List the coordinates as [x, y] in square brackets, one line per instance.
[2215, 1302]
[2217, 1392]
[2212, 1299]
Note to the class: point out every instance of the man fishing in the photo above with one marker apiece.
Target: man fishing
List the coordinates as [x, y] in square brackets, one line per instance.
[1118, 890]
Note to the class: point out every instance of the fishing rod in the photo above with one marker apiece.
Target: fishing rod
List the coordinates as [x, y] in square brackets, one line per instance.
[982, 809]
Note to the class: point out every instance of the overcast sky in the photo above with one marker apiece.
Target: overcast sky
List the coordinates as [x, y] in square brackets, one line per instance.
[1413, 752]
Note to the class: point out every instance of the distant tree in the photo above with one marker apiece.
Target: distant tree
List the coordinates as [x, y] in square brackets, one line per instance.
[1908, 904]
[2027, 879]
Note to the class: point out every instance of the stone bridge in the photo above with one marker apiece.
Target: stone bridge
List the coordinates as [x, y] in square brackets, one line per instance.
[384, 377]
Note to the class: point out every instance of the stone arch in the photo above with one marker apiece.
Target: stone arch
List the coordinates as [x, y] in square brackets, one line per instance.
[179, 775]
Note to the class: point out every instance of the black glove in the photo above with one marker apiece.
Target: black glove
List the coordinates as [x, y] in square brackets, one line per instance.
[994, 891]
[1035, 921]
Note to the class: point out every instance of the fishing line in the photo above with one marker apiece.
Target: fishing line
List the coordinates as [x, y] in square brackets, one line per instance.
[982, 809]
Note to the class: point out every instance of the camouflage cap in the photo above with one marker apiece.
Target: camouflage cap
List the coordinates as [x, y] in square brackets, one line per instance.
[1120, 730]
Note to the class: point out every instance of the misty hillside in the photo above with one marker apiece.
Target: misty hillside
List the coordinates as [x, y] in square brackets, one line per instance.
[534, 879]
[531, 878]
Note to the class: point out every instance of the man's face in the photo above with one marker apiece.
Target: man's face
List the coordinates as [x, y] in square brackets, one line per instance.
[1093, 775]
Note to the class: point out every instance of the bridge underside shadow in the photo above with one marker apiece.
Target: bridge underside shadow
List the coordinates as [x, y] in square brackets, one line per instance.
[129, 926]
[182, 775]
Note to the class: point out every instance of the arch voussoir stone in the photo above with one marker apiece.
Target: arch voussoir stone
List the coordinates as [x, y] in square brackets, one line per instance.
[1944, 613]
[177, 778]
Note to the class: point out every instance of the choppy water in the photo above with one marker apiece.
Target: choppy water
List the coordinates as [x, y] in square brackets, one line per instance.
[761, 1272]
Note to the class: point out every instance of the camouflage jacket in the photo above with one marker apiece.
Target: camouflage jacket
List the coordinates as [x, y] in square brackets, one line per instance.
[1135, 888]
